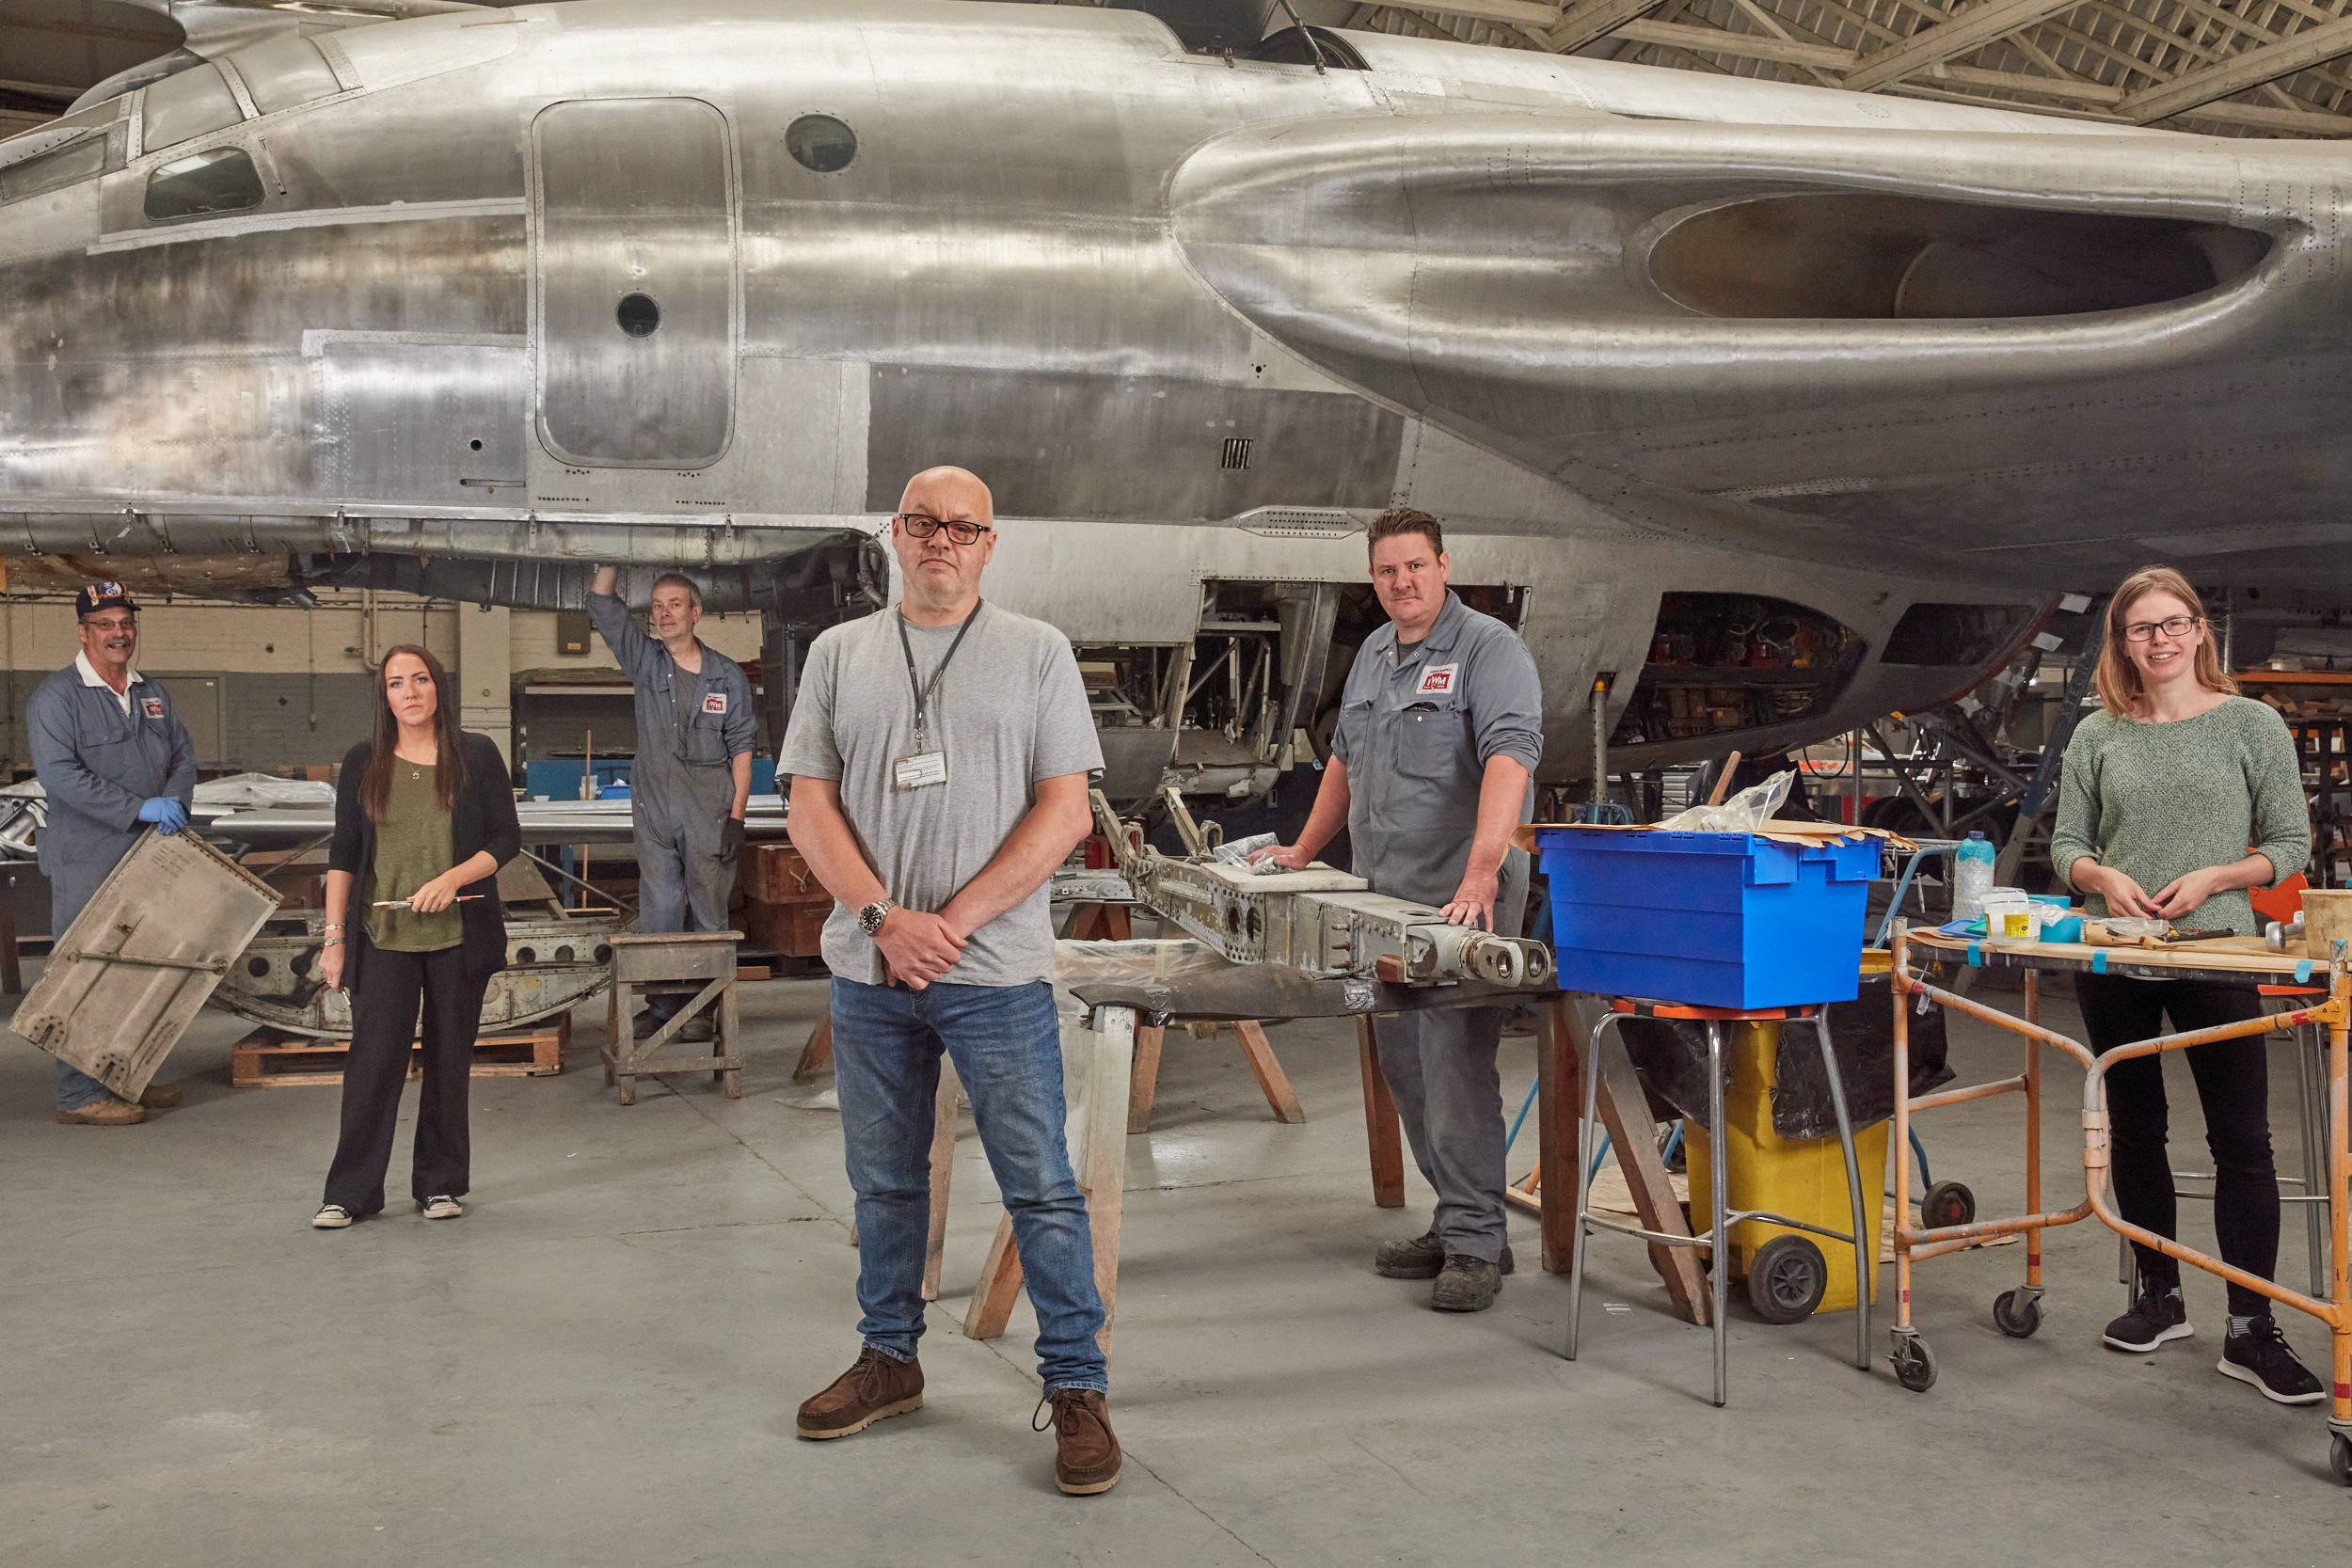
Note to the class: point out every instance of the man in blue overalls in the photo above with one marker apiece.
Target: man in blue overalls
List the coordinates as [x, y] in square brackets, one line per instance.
[113, 757]
[1440, 728]
[692, 778]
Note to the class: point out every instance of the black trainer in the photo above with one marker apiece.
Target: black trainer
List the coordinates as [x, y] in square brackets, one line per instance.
[2157, 1315]
[1423, 1258]
[2260, 1357]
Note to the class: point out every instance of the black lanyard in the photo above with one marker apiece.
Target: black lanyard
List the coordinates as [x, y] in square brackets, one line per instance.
[914, 683]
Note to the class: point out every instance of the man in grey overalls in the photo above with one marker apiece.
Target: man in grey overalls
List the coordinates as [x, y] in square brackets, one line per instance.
[1441, 726]
[113, 757]
[692, 777]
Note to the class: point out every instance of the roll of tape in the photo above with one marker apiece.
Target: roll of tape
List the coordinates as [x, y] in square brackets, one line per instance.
[2099, 962]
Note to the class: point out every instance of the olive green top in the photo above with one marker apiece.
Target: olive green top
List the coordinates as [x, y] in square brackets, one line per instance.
[412, 847]
[2157, 801]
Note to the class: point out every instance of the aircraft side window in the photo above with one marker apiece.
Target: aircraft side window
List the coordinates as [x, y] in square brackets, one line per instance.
[820, 144]
[217, 180]
[284, 72]
[50, 170]
[188, 104]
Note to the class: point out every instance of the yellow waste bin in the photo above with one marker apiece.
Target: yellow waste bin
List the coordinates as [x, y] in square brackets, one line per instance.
[1802, 1178]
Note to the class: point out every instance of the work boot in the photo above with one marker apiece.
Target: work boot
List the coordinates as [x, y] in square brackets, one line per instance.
[1467, 1284]
[874, 1386]
[1420, 1258]
[1085, 1454]
[109, 1112]
[160, 1097]
[697, 1030]
[645, 1025]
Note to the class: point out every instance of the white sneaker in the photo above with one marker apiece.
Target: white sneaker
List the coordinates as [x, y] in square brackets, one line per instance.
[331, 1216]
[442, 1207]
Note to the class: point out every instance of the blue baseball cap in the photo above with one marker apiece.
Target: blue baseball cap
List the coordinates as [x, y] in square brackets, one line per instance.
[96, 597]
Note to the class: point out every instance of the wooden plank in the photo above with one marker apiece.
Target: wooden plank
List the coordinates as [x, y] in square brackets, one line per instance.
[1000, 1282]
[11, 969]
[1382, 1129]
[1144, 1080]
[817, 1052]
[1101, 1165]
[1559, 1101]
[1272, 1081]
[943, 1170]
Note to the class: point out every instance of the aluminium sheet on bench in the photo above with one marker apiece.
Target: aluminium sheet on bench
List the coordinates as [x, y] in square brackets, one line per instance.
[124, 980]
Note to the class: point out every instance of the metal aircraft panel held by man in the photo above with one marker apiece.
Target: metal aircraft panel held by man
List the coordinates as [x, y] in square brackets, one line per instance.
[1768, 408]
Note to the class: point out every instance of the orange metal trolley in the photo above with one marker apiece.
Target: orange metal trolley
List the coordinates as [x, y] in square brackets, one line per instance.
[2018, 1312]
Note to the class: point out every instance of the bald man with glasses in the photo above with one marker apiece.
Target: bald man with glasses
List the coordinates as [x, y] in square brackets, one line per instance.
[940, 755]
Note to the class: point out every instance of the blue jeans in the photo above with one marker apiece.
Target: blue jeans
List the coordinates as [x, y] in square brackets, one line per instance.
[1007, 1047]
[76, 1088]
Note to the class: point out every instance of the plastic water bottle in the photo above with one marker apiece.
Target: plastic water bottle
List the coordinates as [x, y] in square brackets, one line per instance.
[1972, 878]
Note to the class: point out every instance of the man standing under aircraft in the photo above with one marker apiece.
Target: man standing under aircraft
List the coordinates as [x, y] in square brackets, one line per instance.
[1440, 725]
[940, 753]
[113, 757]
[692, 778]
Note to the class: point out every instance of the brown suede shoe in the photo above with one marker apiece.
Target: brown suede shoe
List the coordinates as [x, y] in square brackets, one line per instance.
[874, 1387]
[1085, 1454]
[109, 1111]
[160, 1097]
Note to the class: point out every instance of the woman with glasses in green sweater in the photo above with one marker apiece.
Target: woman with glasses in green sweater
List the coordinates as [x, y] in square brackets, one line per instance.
[2163, 791]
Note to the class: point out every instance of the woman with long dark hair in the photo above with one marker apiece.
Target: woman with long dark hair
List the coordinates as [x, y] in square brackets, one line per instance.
[2164, 790]
[423, 819]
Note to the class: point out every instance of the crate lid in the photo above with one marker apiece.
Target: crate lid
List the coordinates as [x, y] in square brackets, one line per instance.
[1802, 834]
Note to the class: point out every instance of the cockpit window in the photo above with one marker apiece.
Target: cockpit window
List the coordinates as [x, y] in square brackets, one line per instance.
[218, 180]
[284, 72]
[64, 165]
[187, 105]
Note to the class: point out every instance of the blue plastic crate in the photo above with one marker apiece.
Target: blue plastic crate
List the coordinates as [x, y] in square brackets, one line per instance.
[1719, 920]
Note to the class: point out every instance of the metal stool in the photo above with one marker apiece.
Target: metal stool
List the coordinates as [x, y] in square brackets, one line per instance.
[700, 964]
[2321, 1227]
[1717, 1238]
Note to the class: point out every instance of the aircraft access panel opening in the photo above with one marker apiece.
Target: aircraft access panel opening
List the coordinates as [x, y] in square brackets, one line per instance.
[1721, 662]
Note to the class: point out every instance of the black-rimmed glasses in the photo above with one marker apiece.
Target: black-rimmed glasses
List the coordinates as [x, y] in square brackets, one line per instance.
[2177, 626]
[920, 527]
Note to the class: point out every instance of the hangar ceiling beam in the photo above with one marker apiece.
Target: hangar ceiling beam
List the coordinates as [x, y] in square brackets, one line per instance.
[1590, 20]
[2247, 69]
[1945, 41]
[1522, 13]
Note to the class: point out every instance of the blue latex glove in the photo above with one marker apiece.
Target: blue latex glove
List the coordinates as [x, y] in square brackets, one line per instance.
[166, 812]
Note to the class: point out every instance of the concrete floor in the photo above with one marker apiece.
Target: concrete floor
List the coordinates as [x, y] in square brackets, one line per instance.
[599, 1364]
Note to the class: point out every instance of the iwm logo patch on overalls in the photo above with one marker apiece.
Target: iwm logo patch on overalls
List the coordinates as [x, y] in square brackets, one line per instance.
[151, 707]
[1437, 682]
[715, 702]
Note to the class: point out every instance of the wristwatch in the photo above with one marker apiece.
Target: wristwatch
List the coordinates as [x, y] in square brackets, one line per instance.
[871, 918]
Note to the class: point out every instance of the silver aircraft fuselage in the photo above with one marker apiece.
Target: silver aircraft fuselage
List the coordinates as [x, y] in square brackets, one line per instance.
[575, 283]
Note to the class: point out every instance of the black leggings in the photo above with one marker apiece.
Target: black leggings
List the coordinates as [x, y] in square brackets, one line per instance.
[2234, 1086]
[385, 997]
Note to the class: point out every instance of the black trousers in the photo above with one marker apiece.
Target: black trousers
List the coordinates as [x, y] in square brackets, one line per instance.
[385, 999]
[2234, 1086]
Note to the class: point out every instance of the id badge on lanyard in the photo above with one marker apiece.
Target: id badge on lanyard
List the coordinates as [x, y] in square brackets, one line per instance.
[925, 767]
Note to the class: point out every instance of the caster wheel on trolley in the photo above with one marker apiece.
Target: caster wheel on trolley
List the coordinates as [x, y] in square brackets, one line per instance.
[2340, 1457]
[1946, 1203]
[1785, 1279]
[1914, 1364]
[2017, 1314]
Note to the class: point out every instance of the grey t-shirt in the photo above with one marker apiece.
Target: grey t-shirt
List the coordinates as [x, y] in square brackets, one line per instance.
[1011, 710]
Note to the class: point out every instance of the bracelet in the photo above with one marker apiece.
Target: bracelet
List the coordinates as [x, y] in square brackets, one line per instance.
[333, 926]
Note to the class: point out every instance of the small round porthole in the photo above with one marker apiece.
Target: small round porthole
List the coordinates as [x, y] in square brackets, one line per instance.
[820, 143]
[637, 315]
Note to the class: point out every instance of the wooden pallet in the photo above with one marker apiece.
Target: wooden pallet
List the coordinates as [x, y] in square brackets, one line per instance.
[271, 1058]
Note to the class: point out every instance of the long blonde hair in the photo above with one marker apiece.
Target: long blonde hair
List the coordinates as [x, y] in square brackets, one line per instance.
[2118, 678]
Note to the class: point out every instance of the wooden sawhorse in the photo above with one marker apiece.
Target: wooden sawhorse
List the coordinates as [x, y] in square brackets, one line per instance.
[698, 962]
[1560, 1091]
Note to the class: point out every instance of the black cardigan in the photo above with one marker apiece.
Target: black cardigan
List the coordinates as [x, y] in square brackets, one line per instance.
[481, 817]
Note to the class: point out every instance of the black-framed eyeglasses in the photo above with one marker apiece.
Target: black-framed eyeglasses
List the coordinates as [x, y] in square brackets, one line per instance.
[920, 527]
[2176, 626]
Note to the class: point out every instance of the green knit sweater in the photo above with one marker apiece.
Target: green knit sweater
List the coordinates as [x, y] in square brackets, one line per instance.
[2157, 801]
